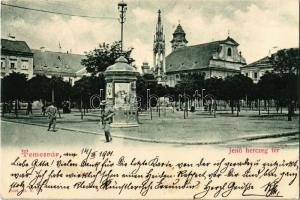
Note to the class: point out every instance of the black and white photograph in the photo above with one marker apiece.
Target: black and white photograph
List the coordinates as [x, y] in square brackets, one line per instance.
[141, 99]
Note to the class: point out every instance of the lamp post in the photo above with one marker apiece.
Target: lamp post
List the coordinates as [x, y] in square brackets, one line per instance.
[196, 98]
[148, 95]
[122, 7]
[202, 96]
[101, 94]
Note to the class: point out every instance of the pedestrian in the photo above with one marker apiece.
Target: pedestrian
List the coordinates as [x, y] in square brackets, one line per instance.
[107, 114]
[52, 112]
[29, 108]
[43, 109]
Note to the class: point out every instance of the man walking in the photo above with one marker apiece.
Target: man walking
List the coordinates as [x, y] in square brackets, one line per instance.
[106, 118]
[52, 111]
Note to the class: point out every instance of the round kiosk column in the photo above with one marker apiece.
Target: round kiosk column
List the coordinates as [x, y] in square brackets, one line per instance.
[121, 92]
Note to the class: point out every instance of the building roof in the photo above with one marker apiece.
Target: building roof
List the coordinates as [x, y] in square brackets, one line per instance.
[56, 63]
[179, 35]
[194, 57]
[261, 63]
[264, 62]
[179, 30]
[14, 46]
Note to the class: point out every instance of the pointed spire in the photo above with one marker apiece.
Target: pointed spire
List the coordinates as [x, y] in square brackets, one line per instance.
[159, 25]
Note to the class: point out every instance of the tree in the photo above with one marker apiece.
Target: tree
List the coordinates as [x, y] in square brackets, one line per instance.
[235, 88]
[100, 58]
[14, 89]
[38, 88]
[290, 92]
[269, 87]
[84, 88]
[286, 62]
[60, 90]
[214, 86]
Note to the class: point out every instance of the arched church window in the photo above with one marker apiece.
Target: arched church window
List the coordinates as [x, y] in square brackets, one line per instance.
[229, 52]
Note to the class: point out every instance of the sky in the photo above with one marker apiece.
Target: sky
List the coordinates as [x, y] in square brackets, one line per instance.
[259, 26]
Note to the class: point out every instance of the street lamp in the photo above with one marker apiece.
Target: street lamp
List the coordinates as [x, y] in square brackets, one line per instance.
[148, 95]
[202, 96]
[196, 95]
[122, 7]
[101, 94]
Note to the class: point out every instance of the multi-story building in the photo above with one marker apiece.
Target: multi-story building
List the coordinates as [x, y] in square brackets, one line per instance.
[16, 56]
[258, 68]
[66, 65]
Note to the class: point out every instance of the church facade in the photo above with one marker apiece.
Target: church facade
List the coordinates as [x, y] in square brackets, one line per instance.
[214, 59]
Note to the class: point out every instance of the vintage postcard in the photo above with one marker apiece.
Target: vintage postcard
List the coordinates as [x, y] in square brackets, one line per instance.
[149, 99]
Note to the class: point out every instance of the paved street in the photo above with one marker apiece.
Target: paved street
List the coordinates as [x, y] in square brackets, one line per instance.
[199, 128]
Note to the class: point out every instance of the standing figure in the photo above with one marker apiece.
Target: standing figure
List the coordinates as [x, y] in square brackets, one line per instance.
[52, 111]
[29, 108]
[106, 119]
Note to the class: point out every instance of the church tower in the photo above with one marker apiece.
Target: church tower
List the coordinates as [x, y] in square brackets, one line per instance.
[178, 40]
[159, 50]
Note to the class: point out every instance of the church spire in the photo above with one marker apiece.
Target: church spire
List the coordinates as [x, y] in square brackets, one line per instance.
[159, 49]
[178, 40]
[159, 27]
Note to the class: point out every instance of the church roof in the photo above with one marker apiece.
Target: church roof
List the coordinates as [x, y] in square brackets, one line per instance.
[56, 63]
[192, 57]
[179, 29]
[15, 46]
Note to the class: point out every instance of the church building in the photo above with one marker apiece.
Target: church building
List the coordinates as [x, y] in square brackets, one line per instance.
[214, 59]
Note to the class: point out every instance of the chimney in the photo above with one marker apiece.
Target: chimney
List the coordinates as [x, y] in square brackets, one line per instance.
[11, 37]
[43, 49]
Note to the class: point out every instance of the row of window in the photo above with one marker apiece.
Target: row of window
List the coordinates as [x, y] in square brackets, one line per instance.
[13, 64]
[254, 75]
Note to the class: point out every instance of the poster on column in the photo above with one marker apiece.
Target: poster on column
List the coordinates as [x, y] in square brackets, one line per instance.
[219, 121]
[121, 94]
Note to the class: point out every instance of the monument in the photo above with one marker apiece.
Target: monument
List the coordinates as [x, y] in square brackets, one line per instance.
[121, 92]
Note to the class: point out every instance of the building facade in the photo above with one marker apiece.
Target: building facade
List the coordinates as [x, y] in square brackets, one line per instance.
[16, 56]
[257, 69]
[159, 49]
[214, 59]
[65, 65]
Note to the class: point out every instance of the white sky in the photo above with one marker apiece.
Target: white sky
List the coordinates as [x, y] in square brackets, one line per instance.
[257, 25]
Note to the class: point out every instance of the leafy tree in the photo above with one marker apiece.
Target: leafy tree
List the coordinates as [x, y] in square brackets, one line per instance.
[60, 90]
[38, 88]
[14, 89]
[214, 86]
[236, 88]
[84, 88]
[289, 92]
[269, 87]
[100, 58]
[286, 60]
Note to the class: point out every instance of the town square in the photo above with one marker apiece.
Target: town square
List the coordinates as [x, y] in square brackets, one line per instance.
[140, 99]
